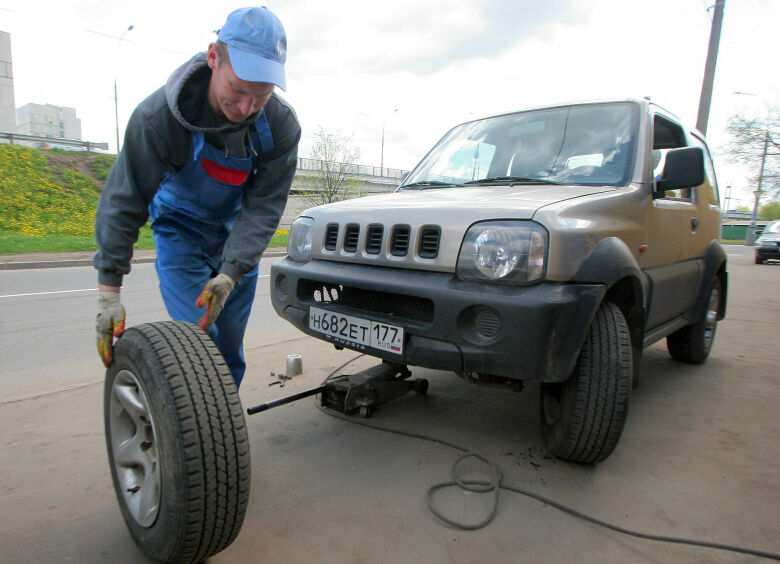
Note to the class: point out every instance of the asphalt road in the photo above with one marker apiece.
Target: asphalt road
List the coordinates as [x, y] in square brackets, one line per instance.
[699, 457]
[47, 320]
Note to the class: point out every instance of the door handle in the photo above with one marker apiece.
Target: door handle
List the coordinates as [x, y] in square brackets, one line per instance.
[695, 223]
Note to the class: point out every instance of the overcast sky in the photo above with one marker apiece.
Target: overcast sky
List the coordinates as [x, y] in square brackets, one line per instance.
[352, 63]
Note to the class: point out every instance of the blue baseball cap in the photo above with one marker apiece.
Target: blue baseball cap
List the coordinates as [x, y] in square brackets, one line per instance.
[257, 45]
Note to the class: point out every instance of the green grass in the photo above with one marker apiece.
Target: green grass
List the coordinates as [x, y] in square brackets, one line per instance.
[14, 243]
[48, 201]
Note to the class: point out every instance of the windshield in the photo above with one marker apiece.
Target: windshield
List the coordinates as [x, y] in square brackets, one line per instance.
[590, 144]
[773, 227]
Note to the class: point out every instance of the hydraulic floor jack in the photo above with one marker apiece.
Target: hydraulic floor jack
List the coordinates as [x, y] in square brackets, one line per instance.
[358, 393]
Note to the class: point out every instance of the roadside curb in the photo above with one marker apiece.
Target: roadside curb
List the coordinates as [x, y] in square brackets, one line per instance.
[65, 262]
[19, 265]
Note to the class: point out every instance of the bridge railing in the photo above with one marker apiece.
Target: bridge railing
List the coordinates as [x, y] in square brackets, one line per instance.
[52, 142]
[316, 165]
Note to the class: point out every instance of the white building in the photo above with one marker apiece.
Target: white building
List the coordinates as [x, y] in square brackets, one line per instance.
[7, 115]
[48, 121]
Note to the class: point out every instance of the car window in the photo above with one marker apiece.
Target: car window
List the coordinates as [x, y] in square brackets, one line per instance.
[589, 144]
[710, 182]
[773, 227]
[667, 136]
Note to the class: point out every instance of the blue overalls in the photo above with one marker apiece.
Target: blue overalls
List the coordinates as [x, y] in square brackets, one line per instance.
[192, 215]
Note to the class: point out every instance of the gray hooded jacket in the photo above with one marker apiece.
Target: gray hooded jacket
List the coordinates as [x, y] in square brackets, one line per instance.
[158, 141]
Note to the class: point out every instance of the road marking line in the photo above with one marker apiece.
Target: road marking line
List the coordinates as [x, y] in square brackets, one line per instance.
[47, 293]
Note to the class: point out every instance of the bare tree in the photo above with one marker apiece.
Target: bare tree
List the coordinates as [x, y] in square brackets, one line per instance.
[335, 180]
[755, 144]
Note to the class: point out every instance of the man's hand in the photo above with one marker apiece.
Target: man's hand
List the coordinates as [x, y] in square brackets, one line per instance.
[214, 296]
[110, 324]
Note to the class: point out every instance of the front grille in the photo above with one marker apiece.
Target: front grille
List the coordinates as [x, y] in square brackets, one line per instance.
[367, 302]
[429, 242]
[351, 234]
[400, 238]
[331, 236]
[399, 244]
[374, 239]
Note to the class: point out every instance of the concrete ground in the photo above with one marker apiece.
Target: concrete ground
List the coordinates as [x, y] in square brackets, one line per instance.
[699, 458]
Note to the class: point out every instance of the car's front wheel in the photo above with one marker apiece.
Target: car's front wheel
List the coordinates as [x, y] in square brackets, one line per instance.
[583, 417]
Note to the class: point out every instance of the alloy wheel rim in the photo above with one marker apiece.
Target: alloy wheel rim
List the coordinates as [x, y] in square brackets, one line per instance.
[711, 318]
[134, 447]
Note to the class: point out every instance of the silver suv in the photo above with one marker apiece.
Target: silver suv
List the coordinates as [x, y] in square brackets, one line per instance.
[547, 245]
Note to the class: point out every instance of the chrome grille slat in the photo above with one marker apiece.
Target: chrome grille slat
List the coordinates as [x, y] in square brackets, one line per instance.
[351, 236]
[374, 238]
[399, 244]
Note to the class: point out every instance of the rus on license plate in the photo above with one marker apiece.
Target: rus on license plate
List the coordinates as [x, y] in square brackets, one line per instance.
[355, 331]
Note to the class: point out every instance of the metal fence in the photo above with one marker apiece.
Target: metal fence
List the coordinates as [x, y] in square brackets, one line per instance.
[53, 142]
[358, 170]
[303, 163]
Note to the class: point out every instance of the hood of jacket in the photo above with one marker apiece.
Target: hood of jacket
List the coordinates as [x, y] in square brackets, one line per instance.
[186, 93]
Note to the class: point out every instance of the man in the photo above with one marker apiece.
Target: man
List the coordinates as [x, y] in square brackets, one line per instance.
[210, 158]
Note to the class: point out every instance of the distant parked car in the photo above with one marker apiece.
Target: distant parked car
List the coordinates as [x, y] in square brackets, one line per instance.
[768, 245]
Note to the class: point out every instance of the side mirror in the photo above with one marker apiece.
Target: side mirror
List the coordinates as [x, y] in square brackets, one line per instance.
[684, 168]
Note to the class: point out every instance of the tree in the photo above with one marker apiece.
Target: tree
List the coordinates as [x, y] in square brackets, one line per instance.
[335, 180]
[770, 211]
[754, 142]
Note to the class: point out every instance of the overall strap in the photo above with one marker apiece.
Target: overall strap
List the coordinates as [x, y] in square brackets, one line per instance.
[261, 133]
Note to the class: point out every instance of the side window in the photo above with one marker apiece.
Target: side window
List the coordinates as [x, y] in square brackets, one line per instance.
[667, 135]
[710, 182]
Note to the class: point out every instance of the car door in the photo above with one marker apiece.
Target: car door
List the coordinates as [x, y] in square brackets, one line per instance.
[673, 256]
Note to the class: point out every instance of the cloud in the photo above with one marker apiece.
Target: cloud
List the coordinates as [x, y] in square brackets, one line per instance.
[405, 36]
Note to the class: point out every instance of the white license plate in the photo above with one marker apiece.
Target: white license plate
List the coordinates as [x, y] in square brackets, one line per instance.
[355, 332]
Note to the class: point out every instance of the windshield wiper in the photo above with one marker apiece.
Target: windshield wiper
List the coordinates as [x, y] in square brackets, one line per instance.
[425, 184]
[511, 180]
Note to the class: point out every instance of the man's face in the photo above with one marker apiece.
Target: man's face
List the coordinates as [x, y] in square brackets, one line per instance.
[230, 97]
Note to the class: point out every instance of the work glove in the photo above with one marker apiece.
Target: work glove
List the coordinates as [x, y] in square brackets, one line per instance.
[110, 324]
[214, 296]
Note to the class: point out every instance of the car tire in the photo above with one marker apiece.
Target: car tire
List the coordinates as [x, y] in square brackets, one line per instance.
[177, 442]
[759, 260]
[692, 344]
[582, 418]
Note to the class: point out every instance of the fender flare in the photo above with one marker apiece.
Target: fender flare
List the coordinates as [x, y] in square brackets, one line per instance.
[714, 258]
[610, 262]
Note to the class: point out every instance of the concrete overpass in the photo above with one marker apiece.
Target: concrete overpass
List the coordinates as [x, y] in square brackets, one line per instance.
[369, 180]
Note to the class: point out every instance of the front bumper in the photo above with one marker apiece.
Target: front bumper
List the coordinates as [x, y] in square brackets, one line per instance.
[524, 333]
[768, 251]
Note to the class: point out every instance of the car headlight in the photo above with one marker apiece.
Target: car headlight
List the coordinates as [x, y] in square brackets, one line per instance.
[503, 252]
[299, 240]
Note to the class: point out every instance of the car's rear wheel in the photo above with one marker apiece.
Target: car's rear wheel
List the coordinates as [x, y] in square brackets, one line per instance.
[177, 442]
[582, 418]
[693, 343]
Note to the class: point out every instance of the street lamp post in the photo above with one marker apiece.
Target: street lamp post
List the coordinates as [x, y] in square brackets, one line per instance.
[382, 155]
[751, 235]
[751, 238]
[116, 102]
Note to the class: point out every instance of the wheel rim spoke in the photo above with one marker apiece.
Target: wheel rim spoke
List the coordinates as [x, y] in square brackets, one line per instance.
[711, 318]
[134, 447]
